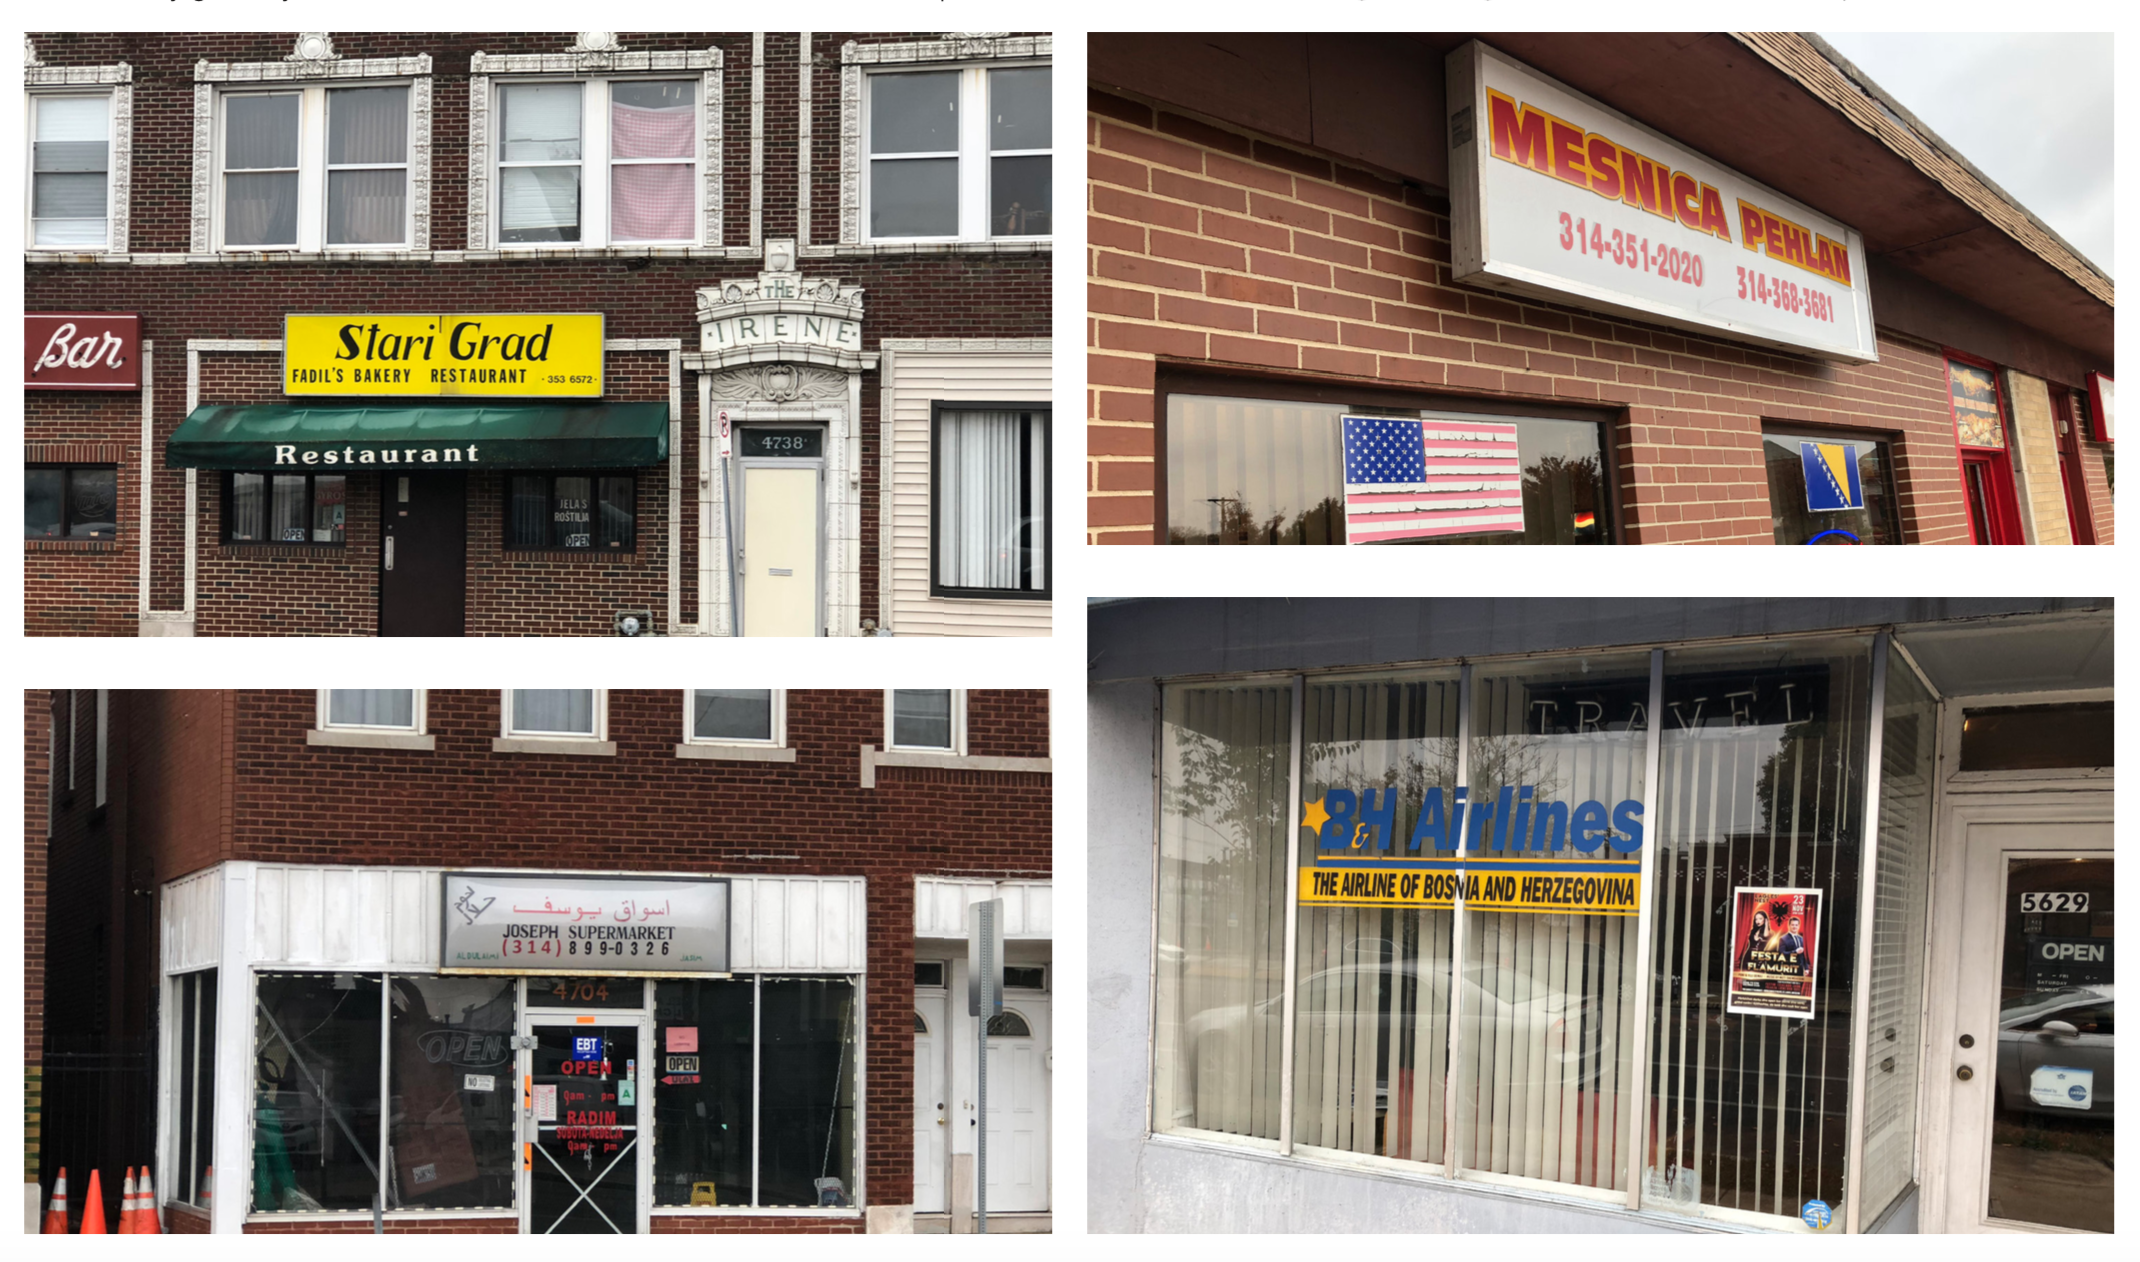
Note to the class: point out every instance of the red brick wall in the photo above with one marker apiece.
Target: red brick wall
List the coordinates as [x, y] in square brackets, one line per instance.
[643, 809]
[306, 590]
[84, 586]
[1222, 249]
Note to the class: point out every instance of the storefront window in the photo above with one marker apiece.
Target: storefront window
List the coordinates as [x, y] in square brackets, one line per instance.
[1548, 1006]
[572, 511]
[1268, 472]
[1224, 813]
[194, 1073]
[1371, 1012]
[1760, 805]
[451, 1132]
[1823, 488]
[806, 1077]
[317, 1045]
[285, 508]
[76, 503]
[704, 1125]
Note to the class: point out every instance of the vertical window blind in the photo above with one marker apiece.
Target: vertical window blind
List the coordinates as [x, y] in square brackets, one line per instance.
[1761, 776]
[1547, 1044]
[1371, 1008]
[1225, 773]
[367, 166]
[260, 155]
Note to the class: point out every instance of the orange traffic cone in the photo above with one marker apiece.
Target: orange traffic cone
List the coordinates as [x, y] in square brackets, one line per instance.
[56, 1212]
[150, 1220]
[129, 1207]
[93, 1208]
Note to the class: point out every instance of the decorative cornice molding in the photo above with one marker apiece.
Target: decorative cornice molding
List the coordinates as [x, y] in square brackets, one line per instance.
[982, 46]
[301, 71]
[38, 75]
[29, 52]
[314, 47]
[778, 382]
[592, 61]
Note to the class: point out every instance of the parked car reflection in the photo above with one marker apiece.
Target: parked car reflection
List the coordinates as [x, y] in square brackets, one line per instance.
[2070, 1026]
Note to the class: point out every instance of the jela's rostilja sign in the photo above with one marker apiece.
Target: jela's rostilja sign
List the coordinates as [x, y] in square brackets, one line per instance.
[1514, 851]
[395, 355]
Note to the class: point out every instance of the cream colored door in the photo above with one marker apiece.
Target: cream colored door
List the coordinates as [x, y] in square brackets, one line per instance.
[780, 549]
[2021, 1061]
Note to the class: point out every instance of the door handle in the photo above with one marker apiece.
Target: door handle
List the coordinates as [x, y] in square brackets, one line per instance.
[390, 552]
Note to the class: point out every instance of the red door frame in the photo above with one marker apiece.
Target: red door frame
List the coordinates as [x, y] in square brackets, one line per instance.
[2078, 517]
[2003, 513]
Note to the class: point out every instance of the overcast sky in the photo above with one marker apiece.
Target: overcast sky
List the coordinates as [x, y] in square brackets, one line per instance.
[2033, 112]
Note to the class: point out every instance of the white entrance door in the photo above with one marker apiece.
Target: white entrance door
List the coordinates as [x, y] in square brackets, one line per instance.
[2021, 1053]
[1018, 1106]
[932, 1114]
[780, 550]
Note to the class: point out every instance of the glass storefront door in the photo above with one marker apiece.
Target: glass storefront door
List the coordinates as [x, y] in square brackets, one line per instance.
[583, 1162]
[2031, 1058]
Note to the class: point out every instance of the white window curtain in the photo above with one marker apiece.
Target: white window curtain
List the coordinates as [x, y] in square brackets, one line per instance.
[1371, 1048]
[921, 719]
[1219, 1017]
[992, 487]
[371, 707]
[367, 166]
[653, 137]
[732, 714]
[539, 162]
[566, 711]
[71, 166]
[260, 165]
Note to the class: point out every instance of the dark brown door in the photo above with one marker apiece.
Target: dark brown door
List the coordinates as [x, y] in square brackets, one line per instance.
[423, 559]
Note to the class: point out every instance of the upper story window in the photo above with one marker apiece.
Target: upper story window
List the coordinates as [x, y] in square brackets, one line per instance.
[930, 720]
[380, 709]
[71, 170]
[964, 154]
[601, 162]
[316, 168]
[565, 712]
[737, 716]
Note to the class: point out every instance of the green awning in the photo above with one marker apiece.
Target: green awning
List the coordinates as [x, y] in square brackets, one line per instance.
[374, 439]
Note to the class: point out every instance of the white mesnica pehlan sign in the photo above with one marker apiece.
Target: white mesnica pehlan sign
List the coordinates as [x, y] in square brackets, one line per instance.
[1555, 196]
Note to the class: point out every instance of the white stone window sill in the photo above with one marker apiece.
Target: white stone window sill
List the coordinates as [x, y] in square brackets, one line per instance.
[706, 751]
[553, 745]
[357, 738]
[873, 758]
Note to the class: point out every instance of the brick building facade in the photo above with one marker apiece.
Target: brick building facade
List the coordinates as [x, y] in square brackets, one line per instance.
[1271, 246]
[256, 859]
[882, 332]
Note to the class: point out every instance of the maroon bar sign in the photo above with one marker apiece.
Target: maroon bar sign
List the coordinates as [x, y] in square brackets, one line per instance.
[99, 351]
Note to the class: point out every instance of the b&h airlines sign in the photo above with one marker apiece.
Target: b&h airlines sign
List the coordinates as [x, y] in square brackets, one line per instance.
[1556, 196]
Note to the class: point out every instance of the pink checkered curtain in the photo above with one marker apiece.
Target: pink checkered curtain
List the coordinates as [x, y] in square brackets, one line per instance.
[651, 200]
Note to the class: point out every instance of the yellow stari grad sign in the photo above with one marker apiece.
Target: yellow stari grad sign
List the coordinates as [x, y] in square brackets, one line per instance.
[395, 355]
[1486, 886]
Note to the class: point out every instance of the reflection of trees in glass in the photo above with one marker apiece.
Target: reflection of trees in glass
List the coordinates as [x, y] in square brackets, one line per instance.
[1237, 521]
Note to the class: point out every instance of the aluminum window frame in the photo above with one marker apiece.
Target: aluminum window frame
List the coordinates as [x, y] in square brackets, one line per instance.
[313, 170]
[973, 153]
[1636, 1126]
[778, 724]
[418, 715]
[596, 230]
[957, 748]
[115, 162]
[506, 730]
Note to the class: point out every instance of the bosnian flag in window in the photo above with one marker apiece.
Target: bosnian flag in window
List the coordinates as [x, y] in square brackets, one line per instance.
[1421, 479]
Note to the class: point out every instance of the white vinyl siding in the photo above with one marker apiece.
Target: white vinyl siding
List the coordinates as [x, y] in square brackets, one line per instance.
[921, 378]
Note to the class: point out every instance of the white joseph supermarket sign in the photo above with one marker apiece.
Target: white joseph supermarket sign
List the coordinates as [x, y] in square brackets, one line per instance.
[1555, 196]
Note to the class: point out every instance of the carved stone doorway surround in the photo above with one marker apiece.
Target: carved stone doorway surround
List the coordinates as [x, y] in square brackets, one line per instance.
[781, 348]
